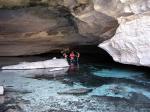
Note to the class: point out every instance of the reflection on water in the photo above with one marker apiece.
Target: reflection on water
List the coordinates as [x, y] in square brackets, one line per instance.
[104, 80]
[89, 76]
[55, 72]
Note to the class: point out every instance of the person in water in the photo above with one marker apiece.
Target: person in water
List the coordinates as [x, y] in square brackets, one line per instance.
[65, 53]
[72, 57]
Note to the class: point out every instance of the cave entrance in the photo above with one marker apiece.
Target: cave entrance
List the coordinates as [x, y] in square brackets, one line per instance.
[89, 53]
[92, 53]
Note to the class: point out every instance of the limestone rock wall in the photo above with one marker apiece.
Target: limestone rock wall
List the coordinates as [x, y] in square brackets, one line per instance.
[34, 30]
[29, 27]
[131, 43]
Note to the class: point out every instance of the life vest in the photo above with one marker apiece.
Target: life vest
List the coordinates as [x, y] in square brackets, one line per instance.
[72, 56]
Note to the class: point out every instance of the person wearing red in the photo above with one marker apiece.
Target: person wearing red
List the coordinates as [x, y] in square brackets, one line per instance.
[72, 56]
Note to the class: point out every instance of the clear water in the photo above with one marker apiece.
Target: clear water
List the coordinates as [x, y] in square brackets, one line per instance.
[117, 81]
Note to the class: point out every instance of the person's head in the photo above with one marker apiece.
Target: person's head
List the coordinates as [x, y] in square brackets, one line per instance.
[72, 51]
[67, 49]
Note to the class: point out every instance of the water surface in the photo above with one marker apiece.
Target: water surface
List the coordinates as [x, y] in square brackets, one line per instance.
[114, 87]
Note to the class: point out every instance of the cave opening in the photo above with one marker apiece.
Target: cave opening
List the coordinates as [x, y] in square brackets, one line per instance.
[89, 54]
[92, 54]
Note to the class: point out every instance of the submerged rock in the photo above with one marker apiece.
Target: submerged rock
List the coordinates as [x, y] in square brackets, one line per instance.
[76, 91]
[130, 45]
[1, 90]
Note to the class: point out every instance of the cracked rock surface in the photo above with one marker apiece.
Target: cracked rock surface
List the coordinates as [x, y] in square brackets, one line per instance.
[130, 45]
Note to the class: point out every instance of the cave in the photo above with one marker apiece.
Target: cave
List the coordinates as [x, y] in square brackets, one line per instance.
[111, 72]
[89, 53]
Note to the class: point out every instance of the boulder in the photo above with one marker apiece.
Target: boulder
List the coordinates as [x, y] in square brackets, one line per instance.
[79, 91]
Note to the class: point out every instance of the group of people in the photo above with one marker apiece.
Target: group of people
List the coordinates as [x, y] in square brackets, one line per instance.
[71, 56]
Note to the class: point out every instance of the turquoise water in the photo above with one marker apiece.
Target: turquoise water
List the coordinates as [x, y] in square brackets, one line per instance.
[118, 73]
[106, 81]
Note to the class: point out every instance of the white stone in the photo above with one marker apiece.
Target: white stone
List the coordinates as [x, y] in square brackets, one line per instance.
[53, 63]
[56, 69]
[1, 90]
[131, 43]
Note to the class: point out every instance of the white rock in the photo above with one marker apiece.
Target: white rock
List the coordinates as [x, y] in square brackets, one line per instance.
[1, 90]
[131, 43]
[56, 69]
[53, 63]
[54, 58]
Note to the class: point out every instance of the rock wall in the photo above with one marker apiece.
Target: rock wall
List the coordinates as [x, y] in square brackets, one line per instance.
[29, 27]
[39, 26]
[131, 43]
[35, 30]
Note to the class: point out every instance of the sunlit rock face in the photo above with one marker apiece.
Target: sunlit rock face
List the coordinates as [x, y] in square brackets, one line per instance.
[119, 8]
[98, 18]
[131, 43]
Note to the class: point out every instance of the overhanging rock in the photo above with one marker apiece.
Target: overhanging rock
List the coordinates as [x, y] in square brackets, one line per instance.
[131, 43]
